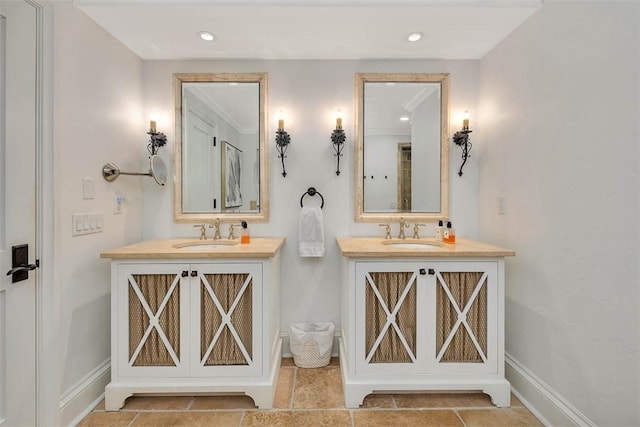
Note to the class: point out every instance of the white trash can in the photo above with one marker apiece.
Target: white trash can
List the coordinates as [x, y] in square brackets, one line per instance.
[311, 343]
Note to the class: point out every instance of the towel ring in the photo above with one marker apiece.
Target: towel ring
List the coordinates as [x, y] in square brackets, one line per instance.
[312, 192]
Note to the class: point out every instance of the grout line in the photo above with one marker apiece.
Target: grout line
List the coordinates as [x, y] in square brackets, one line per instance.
[294, 383]
[460, 417]
[191, 402]
[133, 420]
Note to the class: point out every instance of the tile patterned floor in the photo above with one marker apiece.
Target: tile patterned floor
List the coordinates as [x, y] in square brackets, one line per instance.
[313, 397]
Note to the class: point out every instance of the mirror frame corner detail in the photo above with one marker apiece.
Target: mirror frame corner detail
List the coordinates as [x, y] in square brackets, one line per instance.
[360, 79]
[263, 213]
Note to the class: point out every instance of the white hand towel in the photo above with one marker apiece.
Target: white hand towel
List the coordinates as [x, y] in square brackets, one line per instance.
[311, 232]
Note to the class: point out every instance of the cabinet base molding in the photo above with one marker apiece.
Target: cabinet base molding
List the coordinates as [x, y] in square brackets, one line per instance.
[356, 389]
[262, 392]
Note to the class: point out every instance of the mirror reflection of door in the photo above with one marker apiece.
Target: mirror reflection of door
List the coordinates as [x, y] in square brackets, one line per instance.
[202, 154]
[404, 177]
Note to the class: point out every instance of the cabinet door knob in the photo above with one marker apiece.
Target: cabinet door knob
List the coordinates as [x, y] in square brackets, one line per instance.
[185, 273]
[423, 271]
[194, 273]
[432, 271]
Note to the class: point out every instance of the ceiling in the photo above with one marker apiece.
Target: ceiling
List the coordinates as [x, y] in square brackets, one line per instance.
[309, 29]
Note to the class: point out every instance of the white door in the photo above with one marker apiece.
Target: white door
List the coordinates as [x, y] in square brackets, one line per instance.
[18, 124]
[201, 164]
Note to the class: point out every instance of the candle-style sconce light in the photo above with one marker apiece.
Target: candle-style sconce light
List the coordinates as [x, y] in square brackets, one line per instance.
[461, 139]
[338, 139]
[282, 143]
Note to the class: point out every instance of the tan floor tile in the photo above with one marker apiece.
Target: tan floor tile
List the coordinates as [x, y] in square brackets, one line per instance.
[99, 406]
[515, 402]
[287, 362]
[318, 389]
[190, 419]
[505, 417]
[443, 400]
[208, 403]
[270, 419]
[322, 418]
[408, 418]
[284, 389]
[149, 403]
[373, 401]
[107, 419]
[335, 361]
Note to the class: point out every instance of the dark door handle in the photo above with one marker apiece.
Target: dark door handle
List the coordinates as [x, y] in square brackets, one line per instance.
[194, 273]
[23, 267]
[432, 271]
[423, 271]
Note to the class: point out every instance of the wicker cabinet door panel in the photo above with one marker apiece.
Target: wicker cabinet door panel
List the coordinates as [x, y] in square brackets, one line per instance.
[465, 322]
[227, 301]
[152, 320]
[390, 336]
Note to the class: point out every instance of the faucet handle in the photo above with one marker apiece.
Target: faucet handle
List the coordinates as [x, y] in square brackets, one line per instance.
[416, 228]
[387, 231]
[203, 231]
[231, 233]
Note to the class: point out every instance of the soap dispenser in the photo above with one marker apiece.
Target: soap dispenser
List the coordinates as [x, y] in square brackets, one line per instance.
[439, 231]
[449, 234]
[245, 237]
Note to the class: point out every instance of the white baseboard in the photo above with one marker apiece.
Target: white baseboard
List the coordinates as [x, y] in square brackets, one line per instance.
[544, 402]
[80, 399]
[286, 348]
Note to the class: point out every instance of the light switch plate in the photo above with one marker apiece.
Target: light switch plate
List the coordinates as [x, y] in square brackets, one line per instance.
[88, 188]
[87, 223]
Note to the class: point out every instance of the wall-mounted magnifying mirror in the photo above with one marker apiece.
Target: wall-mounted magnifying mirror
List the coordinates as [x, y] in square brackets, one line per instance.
[221, 153]
[157, 170]
[402, 146]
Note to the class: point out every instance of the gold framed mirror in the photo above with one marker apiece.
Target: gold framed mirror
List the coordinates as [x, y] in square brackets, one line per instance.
[402, 147]
[220, 162]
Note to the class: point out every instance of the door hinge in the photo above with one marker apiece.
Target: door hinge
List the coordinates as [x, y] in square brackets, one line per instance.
[214, 141]
[37, 263]
[215, 203]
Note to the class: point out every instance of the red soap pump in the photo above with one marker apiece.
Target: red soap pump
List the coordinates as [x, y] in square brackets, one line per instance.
[449, 235]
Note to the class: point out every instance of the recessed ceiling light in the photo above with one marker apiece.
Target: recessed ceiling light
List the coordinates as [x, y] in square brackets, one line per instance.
[404, 119]
[207, 36]
[414, 37]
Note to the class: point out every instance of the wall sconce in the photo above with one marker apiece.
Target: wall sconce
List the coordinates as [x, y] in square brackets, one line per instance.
[461, 139]
[282, 142]
[157, 139]
[338, 138]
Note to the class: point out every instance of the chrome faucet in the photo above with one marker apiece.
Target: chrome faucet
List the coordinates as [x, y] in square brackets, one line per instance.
[216, 229]
[403, 225]
[203, 231]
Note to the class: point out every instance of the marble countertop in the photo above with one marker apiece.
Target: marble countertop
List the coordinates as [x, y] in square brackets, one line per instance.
[260, 247]
[378, 247]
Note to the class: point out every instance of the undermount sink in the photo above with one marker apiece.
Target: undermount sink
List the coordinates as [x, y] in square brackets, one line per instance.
[413, 244]
[204, 245]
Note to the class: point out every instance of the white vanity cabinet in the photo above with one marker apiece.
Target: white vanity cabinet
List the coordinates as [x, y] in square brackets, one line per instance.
[195, 325]
[422, 320]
